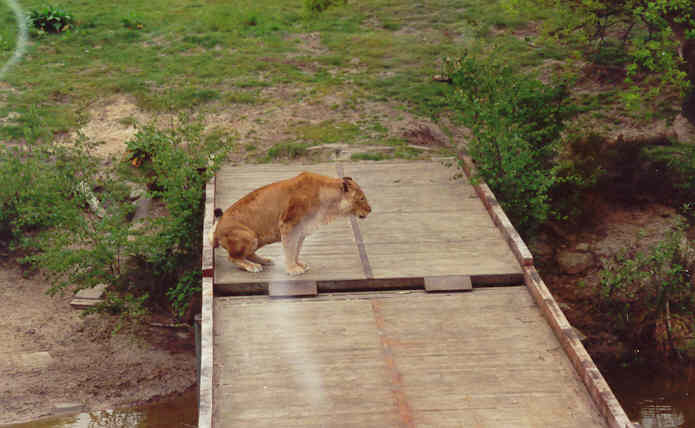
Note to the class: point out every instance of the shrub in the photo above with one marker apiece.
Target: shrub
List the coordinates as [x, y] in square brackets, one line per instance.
[51, 19]
[182, 161]
[650, 294]
[517, 122]
[75, 248]
[38, 189]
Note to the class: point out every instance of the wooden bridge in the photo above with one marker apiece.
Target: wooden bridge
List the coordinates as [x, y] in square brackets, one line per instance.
[429, 313]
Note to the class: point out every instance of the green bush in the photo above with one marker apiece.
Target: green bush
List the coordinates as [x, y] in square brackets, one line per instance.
[182, 161]
[50, 19]
[517, 122]
[39, 189]
[650, 295]
[75, 248]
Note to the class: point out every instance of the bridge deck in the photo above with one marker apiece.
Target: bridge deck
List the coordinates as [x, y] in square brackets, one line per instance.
[373, 349]
[481, 359]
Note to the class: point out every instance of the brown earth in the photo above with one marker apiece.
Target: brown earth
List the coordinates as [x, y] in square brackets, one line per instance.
[51, 355]
[570, 259]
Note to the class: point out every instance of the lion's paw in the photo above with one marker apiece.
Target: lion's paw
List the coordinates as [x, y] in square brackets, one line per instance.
[253, 267]
[297, 269]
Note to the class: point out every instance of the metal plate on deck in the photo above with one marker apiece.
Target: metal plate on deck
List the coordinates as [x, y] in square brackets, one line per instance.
[292, 288]
[448, 283]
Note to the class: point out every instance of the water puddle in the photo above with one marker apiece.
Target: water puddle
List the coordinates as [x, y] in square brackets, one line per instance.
[178, 412]
[654, 399]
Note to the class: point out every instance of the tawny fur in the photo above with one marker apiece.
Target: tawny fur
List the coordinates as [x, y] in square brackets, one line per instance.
[286, 211]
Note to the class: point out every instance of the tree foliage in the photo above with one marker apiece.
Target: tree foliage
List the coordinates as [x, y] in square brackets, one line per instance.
[657, 36]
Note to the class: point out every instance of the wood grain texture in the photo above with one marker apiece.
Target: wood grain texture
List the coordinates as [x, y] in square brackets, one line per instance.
[485, 358]
[426, 221]
[208, 260]
[205, 385]
[598, 387]
[448, 283]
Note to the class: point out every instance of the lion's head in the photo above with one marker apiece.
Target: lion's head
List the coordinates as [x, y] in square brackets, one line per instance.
[354, 202]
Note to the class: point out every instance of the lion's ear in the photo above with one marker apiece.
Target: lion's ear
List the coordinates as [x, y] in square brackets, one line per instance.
[346, 183]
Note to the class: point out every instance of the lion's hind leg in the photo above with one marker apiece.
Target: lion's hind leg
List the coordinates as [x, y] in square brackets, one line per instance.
[260, 260]
[241, 244]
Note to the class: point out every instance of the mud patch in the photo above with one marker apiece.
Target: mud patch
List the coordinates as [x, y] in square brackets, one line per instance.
[112, 122]
[81, 360]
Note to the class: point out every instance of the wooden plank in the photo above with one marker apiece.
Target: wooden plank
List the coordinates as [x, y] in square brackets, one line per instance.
[301, 363]
[598, 387]
[483, 350]
[498, 215]
[403, 174]
[326, 262]
[292, 288]
[422, 259]
[427, 227]
[205, 383]
[420, 198]
[486, 358]
[208, 260]
[448, 283]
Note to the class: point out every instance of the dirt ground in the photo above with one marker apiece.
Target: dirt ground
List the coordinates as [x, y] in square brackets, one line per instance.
[52, 358]
[570, 260]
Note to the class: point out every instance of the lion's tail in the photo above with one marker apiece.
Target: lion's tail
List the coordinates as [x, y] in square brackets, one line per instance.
[213, 237]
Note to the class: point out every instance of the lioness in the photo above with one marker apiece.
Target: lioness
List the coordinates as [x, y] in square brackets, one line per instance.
[286, 211]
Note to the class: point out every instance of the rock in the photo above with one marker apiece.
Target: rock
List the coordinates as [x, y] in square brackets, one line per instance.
[68, 407]
[684, 130]
[88, 297]
[137, 193]
[142, 209]
[583, 247]
[573, 262]
[540, 248]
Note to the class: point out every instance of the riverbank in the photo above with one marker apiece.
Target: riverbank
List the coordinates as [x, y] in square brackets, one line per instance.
[54, 360]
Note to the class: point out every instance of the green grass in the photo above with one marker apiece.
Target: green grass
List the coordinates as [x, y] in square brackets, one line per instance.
[326, 132]
[177, 55]
[8, 33]
[370, 156]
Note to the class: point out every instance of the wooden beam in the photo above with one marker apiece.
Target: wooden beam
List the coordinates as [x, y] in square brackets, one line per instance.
[208, 262]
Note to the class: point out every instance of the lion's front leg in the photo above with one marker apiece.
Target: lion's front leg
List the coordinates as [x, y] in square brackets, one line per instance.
[291, 243]
[299, 249]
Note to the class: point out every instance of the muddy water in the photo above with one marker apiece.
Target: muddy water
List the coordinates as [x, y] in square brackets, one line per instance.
[655, 399]
[178, 412]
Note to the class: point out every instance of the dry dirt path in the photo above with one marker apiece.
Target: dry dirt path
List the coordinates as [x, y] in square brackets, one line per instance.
[51, 356]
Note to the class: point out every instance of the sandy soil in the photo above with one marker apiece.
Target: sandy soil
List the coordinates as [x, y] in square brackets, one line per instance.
[51, 355]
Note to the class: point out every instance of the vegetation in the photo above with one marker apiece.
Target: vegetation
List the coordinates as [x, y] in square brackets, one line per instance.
[649, 295]
[653, 40]
[50, 19]
[49, 221]
[539, 83]
[516, 122]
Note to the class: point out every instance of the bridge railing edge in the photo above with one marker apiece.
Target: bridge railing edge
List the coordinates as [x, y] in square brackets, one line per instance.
[598, 388]
[205, 381]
